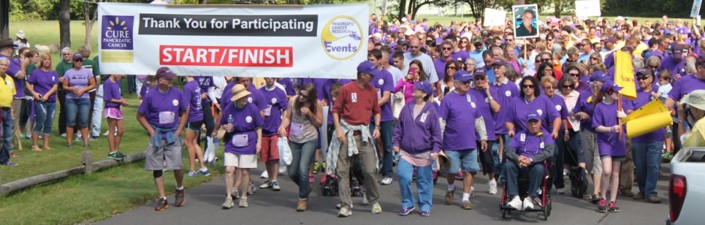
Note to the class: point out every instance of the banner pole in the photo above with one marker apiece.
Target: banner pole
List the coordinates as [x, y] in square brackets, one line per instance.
[619, 108]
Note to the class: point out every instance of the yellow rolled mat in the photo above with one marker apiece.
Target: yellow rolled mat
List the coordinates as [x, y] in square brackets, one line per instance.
[648, 123]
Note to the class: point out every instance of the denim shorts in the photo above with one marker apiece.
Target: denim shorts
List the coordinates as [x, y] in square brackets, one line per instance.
[465, 159]
[78, 107]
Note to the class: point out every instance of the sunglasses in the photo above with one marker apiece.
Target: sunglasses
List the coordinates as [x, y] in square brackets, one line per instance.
[303, 95]
[447, 48]
[451, 67]
[568, 86]
[545, 60]
[78, 60]
[640, 78]
[414, 46]
[595, 58]
[549, 88]
[527, 86]
[574, 74]
[479, 78]
[67, 54]
[510, 39]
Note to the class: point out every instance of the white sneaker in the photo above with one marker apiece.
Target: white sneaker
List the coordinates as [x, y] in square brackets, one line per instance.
[364, 198]
[493, 187]
[264, 175]
[386, 181]
[560, 190]
[472, 191]
[528, 203]
[515, 203]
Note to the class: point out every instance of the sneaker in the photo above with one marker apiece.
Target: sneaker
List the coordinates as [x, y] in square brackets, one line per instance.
[252, 189]
[602, 205]
[515, 203]
[653, 199]
[639, 196]
[243, 203]
[316, 167]
[376, 208]
[528, 204]
[162, 204]
[405, 211]
[449, 197]
[63, 135]
[364, 198]
[264, 175]
[192, 173]
[560, 190]
[311, 178]
[106, 133]
[179, 198]
[472, 191]
[267, 184]
[10, 163]
[344, 212]
[627, 193]
[493, 187]
[425, 213]
[467, 205]
[228, 204]
[613, 207]
[27, 136]
[594, 199]
[386, 181]
[235, 194]
[204, 172]
[275, 186]
[301, 206]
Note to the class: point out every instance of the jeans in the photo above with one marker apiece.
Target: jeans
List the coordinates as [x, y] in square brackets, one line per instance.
[6, 136]
[647, 159]
[97, 115]
[44, 117]
[77, 107]
[298, 169]
[131, 84]
[386, 134]
[535, 172]
[424, 185]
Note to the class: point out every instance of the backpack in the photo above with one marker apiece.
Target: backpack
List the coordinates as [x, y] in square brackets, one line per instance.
[329, 187]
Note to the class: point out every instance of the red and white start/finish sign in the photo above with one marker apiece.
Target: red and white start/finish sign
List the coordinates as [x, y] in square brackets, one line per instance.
[239, 56]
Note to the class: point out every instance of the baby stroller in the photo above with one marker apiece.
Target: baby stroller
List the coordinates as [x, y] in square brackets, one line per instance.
[523, 183]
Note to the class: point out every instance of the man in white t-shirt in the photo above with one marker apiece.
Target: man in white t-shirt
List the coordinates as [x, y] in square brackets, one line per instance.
[426, 61]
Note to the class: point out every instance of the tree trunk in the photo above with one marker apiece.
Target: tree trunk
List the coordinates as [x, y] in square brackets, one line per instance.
[202, 1]
[384, 8]
[64, 24]
[294, 2]
[5, 18]
[557, 8]
[89, 19]
[402, 9]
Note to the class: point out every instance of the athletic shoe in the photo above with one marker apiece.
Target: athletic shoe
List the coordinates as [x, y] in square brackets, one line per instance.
[228, 204]
[472, 191]
[267, 184]
[386, 181]
[376, 208]
[301, 206]
[613, 207]
[235, 194]
[515, 203]
[560, 190]
[467, 205]
[162, 204]
[425, 213]
[264, 175]
[10, 163]
[316, 167]
[311, 178]
[179, 198]
[602, 205]
[192, 173]
[243, 203]
[63, 134]
[344, 212]
[252, 189]
[594, 199]
[405, 211]
[204, 172]
[364, 198]
[639, 196]
[450, 195]
[653, 199]
[493, 187]
[275, 186]
[528, 204]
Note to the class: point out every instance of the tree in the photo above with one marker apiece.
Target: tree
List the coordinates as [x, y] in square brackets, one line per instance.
[90, 15]
[477, 7]
[64, 24]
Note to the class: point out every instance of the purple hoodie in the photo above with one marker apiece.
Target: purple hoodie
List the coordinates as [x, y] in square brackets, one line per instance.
[420, 134]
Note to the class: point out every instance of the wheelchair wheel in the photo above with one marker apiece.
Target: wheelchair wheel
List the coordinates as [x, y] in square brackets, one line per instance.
[505, 212]
[547, 211]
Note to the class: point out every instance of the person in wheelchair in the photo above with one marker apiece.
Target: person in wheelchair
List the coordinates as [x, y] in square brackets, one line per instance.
[526, 154]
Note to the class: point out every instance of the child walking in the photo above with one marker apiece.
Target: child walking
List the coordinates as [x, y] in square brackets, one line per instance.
[113, 101]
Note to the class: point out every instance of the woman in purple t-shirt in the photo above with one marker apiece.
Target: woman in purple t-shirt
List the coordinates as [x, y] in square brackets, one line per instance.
[43, 83]
[113, 100]
[77, 82]
[611, 142]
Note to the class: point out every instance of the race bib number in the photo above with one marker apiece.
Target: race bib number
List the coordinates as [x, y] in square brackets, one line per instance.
[297, 129]
[240, 140]
[166, 117]
[268, 111]
[379, 93]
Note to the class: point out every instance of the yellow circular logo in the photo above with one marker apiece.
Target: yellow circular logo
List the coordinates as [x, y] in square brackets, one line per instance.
[342, 37]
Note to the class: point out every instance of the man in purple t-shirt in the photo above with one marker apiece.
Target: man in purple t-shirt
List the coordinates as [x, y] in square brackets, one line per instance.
[164, 116]
[16, 70]
[384, 84]
[684, 86]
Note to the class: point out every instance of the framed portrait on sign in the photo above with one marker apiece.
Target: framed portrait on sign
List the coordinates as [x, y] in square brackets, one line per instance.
[525, 21]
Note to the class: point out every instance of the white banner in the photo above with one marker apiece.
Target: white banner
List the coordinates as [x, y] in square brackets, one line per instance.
[320, 41]
[696, 8]
[494, 17]
[586, 8]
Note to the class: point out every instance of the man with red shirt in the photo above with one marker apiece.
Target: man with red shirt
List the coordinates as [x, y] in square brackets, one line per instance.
[353, 108]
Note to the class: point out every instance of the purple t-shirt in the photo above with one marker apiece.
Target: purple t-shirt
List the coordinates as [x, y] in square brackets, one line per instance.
[162, 110]
[111, 91]
[459, 112]
[384, 82]
[440, 66]
[12, 70]
[78, 79]
[145, 88]
[256, 97]
[586, 104]
[675, 68]
[684, 86]
[528, 145]
[192, 97]
[559, 104]
[608, 143]
[541, 105]
[44, 81]
[460, 55]
[276, 103]
[506, 93]
[643, 98]
[318, 83]
[483, 107]
[245, 120]
[227, 94]
[205, 82]
[290, 91]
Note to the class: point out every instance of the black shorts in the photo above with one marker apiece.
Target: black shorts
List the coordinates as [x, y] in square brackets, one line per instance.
[486, 158]
[195, 126]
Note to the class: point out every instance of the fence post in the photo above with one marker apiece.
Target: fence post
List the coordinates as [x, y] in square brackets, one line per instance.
[87, 163]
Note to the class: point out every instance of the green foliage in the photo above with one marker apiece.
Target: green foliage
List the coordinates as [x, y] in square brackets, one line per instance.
[32, 9]
[652, 8]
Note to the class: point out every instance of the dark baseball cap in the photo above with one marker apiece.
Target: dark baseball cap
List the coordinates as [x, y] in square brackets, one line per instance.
[165, 73]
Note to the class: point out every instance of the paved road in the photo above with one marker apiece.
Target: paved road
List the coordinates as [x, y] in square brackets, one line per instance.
[278, 208]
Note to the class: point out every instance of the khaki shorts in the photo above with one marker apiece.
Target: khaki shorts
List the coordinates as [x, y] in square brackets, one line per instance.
[592, 155]
[166, 157]
[240, 161]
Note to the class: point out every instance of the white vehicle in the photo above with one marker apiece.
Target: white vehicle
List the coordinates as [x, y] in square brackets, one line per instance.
[686, 191]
